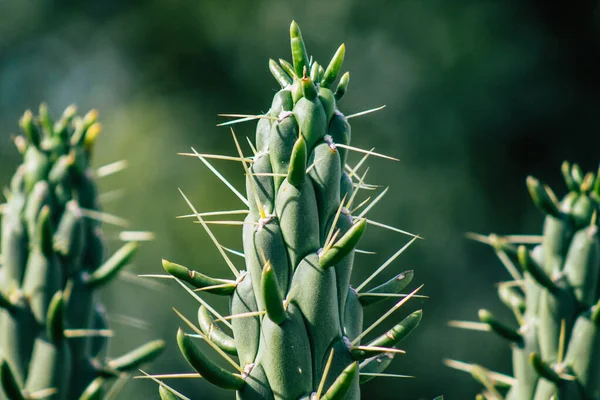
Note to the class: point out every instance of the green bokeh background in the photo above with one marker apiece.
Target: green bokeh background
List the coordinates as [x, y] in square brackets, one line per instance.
[479, 94]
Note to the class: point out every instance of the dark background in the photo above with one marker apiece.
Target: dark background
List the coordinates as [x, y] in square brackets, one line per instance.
[479, 94]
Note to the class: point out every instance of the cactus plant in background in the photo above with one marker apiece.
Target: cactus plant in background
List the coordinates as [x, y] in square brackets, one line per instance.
[297, 324]
[555, 297]
[53, 329]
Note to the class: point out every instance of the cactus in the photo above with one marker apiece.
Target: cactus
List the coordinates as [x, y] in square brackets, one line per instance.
[297, 324]
[555, 297]
[53, 329]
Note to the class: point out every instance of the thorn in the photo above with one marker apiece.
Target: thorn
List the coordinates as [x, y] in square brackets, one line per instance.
[104, 217]
[205, 304]
[223, 285]
[136, 236]
[129, 321]
[78, 333]
[385, 264]
[112, 168]
[42, 394]
[234, 252]
[215, 213]
[254, 151]
[509, 265]
[222, 178]
[214, 239]
[375, 201]
[380, 349]
[217, 157]
[384, 316]
[391, 228]
[352, 171]
[343, 146]
[325, 373]
[365, 251]
[329, 244]
[361, 181]
[360, 205]
[117, 387]
[382, 375]
[259, 205]
[268, 174]
[170, 376]
[288, 298]
[112, 195]
[365, 112]
[226, 223]
[311, 166]
[157, 276]
[243, 118]
[416, 296]
[524, 239]
[333, 225]
[170, 389]
[246, 315]
[561, 342]
[465, 367]
[470, 325]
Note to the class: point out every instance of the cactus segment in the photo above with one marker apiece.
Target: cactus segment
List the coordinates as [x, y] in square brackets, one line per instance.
[342, 86]
[246, 330]
[166, 394]
[9, 382]
[133, 359]
[498, 327]
[339, 389]
[95, 390]
[198, 280]
[542, 198]
[393, 286]
[55, 320]
[271, 295]
[582, 265]
[399, 332]
[297, 322]
[544, 369]
[309, 90]
[299, 55]
[288, 68]
[333, 69]
[205, 366]
[113, 265]
[279, 74]
[52, 261]
[556, 347]
[535, 270]
[297, 169]
[344, 246]
[214, 333]
[374, 365]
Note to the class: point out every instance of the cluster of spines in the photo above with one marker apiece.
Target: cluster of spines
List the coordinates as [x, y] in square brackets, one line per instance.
[53, 330]
[296, 322]
[555, 297]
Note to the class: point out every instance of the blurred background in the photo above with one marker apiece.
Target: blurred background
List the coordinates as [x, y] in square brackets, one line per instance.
[479, 94]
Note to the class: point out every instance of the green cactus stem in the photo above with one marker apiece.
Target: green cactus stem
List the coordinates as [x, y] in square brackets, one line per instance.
[52, 327]
[296, 323]
[555, 297]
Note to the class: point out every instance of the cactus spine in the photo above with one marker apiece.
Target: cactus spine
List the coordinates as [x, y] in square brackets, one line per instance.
[52, 264]
[554, 296]
[297, 323]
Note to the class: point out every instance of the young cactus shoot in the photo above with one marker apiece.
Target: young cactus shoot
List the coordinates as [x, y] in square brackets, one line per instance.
[555, 297]
[295, 329]
[53, 329]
